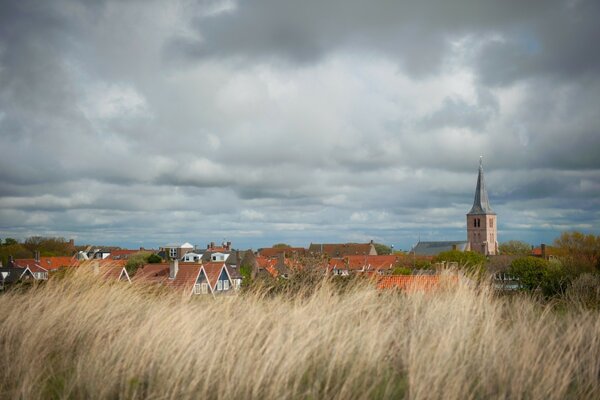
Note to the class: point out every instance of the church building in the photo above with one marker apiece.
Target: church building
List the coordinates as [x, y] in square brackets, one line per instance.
[481, 221]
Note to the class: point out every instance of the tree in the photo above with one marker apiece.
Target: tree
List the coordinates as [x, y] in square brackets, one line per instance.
[578, 250]
[531, 271]
[463, 258]
[382, 249]
[281, 246]
[10, 242]
[136, 261]
[515, 248]
[154, 259]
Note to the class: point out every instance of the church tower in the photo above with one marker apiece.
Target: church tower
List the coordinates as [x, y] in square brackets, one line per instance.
[481, 220]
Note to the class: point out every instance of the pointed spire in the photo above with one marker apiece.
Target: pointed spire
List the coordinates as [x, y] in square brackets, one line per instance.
[481, 203]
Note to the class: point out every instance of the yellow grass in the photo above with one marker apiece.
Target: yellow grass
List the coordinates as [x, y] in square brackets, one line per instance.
[76, 338]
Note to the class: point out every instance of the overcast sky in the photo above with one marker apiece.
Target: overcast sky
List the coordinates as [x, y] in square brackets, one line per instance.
[138, 123]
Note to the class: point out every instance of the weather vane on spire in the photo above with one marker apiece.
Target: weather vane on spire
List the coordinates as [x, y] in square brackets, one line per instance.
[481, 161]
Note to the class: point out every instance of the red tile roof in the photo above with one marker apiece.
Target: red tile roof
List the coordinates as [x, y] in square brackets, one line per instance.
[273, 252]
[342, 249]
[186, 277]
[152, 273]
[48, 263]
[213, 271]
[113, 272]
[371, 262]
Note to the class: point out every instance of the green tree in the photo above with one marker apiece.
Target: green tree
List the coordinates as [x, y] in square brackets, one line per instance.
[463, 258]
[531, 271]
[281, 246]
[515, 248]
[382, 249]
[10, 242]
[402, 271]
[135, 261]
[154, 259]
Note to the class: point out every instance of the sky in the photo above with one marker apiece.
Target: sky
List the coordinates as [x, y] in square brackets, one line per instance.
[139, 123]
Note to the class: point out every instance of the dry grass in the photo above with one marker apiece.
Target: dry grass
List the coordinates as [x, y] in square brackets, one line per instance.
[77, 339]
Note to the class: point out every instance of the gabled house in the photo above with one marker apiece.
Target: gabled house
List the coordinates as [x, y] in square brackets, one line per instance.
[10, 275]
[218, 278]
[185, 278]
[116, 273]
[39, 273]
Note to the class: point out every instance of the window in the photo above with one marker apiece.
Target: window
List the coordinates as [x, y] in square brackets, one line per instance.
[225, 285]
[173, 252]
[491, 222]
[219, 285]
[475, 222]
[204, 288]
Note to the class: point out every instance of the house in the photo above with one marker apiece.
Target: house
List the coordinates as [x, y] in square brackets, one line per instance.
[545, 252]
[192, 256]
[344, 266]
[214, 278]
[41, 266]
[11, 275]
[39, 273]
[343, 249]
[275, 252]
[435, 248]
[114, 272]
[218, 278]
[176, 251]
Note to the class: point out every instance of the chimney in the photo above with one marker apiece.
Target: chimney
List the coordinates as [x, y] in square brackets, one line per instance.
[36, 256]
[72, 242]
[228, 247]
[173, 268]
[11, 261]
[543, 246]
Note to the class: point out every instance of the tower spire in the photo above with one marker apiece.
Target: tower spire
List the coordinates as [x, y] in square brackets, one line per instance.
[481, 203]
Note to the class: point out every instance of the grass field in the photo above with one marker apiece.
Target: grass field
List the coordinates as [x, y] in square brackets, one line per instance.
[76, 338]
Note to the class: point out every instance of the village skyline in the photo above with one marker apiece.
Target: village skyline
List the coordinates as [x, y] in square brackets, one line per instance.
[140, 124]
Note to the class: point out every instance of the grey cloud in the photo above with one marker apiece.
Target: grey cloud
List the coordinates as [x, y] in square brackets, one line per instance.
[144, 122]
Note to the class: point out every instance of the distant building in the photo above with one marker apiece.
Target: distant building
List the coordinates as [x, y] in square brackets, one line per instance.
[481, 221]
[435, 248]
[176, 251]
[343, 249]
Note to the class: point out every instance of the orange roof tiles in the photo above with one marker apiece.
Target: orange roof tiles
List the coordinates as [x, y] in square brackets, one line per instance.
[272, 252]
[213, 271]
[48, 263]
[186, 277]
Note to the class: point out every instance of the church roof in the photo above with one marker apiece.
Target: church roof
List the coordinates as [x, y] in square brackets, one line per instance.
[435, 248]
[481, 203]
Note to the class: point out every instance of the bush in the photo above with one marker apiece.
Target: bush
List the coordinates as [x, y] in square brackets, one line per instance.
[531, 271]
[136, 261]
[402, 271]
[585, 290]
[556, 280]
[154, 259]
